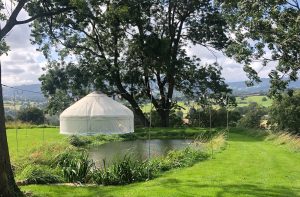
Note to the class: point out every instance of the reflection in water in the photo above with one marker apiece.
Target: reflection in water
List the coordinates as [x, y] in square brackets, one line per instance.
[138, 149]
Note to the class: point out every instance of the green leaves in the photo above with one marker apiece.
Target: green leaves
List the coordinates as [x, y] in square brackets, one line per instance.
[267, 31]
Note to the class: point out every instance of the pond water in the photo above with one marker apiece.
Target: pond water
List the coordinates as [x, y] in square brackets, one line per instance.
[138, 149]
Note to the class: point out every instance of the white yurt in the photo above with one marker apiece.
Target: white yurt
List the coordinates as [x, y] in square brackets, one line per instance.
[96, 113]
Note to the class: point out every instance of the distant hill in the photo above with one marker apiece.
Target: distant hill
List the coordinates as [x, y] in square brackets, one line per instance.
[240, 88]
[8, 93]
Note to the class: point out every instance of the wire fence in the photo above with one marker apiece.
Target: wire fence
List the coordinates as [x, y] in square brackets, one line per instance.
[19, 91]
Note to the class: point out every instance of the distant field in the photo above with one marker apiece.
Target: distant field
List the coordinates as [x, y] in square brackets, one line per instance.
[257, 99]
[241, 103]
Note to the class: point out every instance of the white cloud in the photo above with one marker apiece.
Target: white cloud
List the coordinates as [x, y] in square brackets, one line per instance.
[232, 71]
[23, 63]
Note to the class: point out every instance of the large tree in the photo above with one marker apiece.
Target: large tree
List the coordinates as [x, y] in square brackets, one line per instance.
[134, 48]
[47, 8]
[266, 31]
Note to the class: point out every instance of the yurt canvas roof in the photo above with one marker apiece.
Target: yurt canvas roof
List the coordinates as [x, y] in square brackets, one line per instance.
[96, 113]
[96, 104]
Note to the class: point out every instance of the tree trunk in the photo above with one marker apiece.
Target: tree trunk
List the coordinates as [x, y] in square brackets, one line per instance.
[8, 185]
[164, 118]
[137, 110]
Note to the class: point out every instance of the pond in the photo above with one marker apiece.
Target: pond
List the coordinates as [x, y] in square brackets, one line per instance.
[138, 149]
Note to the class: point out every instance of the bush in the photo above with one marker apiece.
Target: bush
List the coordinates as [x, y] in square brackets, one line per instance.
[40, 174]
[31, 114]
[78, 141]
[264, 99]
[76, 166]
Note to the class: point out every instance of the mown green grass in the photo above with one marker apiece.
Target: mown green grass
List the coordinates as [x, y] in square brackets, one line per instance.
[249, 166]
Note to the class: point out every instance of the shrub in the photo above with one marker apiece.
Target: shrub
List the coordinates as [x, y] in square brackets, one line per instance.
[31, 114]
[40, 174]
[78, 141]
[76, 166]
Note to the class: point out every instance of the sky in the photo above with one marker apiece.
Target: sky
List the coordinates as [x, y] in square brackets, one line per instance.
[23, 64]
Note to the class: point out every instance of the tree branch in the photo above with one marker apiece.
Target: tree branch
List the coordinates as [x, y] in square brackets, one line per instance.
[46, 14]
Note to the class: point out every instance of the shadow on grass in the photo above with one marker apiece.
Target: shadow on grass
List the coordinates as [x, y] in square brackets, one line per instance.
[192, 188]
[177, 188]
[240, 137]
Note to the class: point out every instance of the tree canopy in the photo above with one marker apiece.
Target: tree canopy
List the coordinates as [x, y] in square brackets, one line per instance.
[285, 114]
[266, 31]
[134, 48]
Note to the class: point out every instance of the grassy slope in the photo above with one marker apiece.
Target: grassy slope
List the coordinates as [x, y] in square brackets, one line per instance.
[34, 137]
[248, 167]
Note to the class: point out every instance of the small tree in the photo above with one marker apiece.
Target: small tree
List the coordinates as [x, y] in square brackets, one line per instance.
[31, 114]
[285, 113]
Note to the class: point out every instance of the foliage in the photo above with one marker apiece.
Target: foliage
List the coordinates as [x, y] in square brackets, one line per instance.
[253, 117]
[40, 174]
[124, 171]
[268, 32]
[285, 113]
[264, 99]
[76, 166]
[127, 47]
[8, 118]
[31, 114]
[77, 141]
[175, 119]
[218, 117]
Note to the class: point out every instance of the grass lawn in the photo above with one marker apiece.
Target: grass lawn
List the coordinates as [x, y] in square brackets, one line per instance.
[28, 138]
[248, 167]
